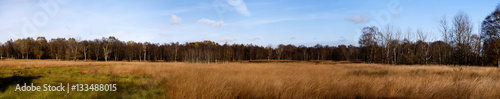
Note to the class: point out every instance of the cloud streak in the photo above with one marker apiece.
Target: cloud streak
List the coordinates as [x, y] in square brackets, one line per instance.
[255, 38]
[175, 20]
[358, 19]
[210, 22]
[227, 39]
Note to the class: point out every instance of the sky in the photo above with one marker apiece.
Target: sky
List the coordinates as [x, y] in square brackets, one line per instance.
[258, 22]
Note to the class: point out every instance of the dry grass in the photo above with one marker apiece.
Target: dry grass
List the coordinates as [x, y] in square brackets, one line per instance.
[33, 63]
[301, 80]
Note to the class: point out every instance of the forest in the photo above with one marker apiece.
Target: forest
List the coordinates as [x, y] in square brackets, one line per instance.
[112, 49]
[458, 45]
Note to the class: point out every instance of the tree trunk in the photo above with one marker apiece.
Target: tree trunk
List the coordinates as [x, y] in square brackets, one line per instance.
[85, 54]
[129, 57]
[175, 56]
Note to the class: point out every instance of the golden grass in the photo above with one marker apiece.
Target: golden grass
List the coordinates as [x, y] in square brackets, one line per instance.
[300, 80]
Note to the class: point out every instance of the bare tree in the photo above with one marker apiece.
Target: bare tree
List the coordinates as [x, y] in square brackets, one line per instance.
[388, 38]
[423, 46]
[145, 50]
[57, 47]
[279, 51]
[462, 29]
[444, 28]
[106, 49]
[2, 50]
[476, 44]
[396, 46]
[97, 46]
[176, 48]
[269, 51]
[445, 32]
[85, 45]
[490, 33]
[73, 47]
[368, 42]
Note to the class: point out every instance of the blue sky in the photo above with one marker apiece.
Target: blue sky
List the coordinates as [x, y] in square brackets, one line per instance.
[261, 22]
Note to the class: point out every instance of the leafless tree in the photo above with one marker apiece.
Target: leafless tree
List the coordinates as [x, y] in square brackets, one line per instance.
[73, 47]
[269, 51]
[388, 39]
[462, 29]
[106, 49]
[279, 51]
[445, 32]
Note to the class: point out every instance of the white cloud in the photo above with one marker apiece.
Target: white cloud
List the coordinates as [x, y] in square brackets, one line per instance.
[358, 19]
[231, 5]
[240, 6]
[255, 38]
[227, 39]
[211, 22]
[175, 20]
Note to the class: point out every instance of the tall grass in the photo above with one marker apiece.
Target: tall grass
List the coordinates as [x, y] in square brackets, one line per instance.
[306, 80]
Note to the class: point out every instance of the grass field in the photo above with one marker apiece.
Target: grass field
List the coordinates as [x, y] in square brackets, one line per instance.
[251, 80]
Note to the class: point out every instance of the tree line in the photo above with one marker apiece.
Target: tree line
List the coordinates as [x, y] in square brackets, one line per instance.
[460, 45]
[112, 49]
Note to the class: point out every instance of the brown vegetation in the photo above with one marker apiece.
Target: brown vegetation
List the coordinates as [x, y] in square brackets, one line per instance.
[301, 79]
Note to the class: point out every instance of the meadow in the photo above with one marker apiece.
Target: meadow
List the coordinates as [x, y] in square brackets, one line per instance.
[252, 80]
